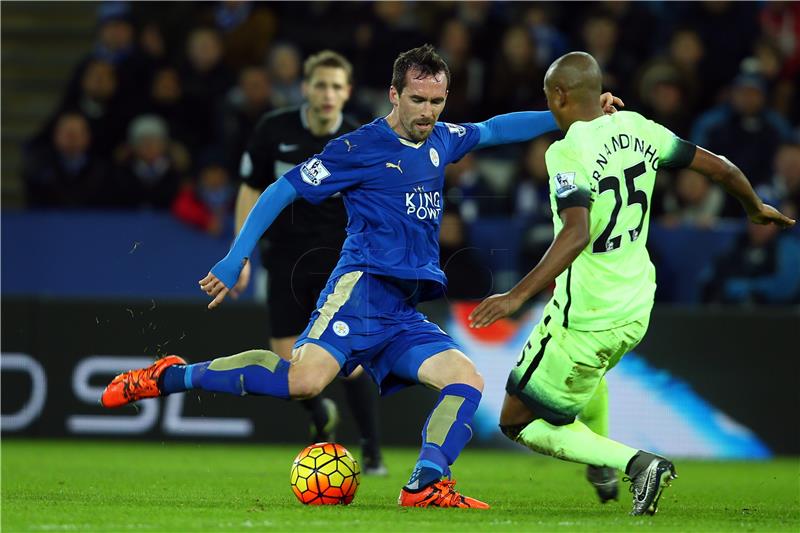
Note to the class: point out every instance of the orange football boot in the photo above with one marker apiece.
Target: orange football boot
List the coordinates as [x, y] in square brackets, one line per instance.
[135, 385]
[439, 494]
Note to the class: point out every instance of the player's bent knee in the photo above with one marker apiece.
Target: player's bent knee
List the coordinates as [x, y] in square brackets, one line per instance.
[304, 384]
[475, 379]
[448, 368]
[305, 388]
[468, 376]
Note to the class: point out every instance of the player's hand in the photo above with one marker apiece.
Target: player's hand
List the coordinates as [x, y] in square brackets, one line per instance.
[244, 281]
[610, 103]
[769, 215]
[215, 288]
[492, 309]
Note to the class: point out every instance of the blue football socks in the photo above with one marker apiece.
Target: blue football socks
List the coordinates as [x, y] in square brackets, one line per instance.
[446, 432]
[258, 372]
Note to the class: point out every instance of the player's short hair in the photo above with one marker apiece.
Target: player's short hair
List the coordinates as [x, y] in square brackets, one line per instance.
[423, 59]
[327, 58]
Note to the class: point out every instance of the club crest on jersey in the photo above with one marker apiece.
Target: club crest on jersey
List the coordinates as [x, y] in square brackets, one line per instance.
[456, 129]
[341, 328]
[313, 172]
[565, 184]
[434, 157]
[424, 205]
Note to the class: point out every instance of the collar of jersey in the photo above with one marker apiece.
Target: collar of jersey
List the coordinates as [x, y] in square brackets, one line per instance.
[304, 120]
[595, 122]
[404, 142]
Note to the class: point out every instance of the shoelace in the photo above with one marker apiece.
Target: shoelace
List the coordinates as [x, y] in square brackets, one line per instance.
[449, 496]
[626, 479]
[131, 381]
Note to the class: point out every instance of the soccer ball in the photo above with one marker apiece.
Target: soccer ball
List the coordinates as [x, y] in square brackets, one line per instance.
[325, 474]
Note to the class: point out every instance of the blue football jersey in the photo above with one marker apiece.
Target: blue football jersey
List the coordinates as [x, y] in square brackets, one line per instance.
[392, 190]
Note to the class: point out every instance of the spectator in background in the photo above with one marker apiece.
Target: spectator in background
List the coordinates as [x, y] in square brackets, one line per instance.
[247, 31]
[116, 44]
[530, 203]
[549, 42]
[100, 102]
[664, 98]
[206, 81]
[635, 22]
[517, 82]
[467, 277]
[744, 128]
[115, 32]
[151, 167]
[208, 205]
[466, 191]
[167, 101]
[244, 106]
[66, 173]
[727, 30]
[530, 199]
[765, 60]
[760, 269]
[600, 38]
[390, 28]
[467, 72]
[687, 54]
[96, 98]
[785, 183]
[768, 61]
[780, 22]
[153, 47]
[482, 21]
[694, 201]
[284, 71]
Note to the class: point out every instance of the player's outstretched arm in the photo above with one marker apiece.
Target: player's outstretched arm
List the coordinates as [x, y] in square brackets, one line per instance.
[225, 274]
[526, 125]
[245, 201]
[566, 246]
[722, 171]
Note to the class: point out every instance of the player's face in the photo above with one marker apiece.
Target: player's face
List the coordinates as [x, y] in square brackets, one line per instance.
[420, 104]
[327, 91]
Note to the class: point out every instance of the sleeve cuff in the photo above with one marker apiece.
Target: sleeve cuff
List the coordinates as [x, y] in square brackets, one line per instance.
[579, 198]
[681, 157]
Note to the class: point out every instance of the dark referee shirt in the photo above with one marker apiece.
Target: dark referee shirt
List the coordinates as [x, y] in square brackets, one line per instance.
[280, 141]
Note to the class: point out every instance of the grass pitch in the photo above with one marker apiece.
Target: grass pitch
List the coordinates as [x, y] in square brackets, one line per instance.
[116, 486]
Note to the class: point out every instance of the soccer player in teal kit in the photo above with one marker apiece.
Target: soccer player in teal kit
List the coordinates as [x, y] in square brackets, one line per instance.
[390, 173]
[603, 173]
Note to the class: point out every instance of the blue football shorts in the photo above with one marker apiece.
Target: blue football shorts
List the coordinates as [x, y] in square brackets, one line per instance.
[364, 319]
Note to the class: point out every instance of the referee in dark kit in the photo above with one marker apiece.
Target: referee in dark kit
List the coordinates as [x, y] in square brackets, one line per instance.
[302, 246]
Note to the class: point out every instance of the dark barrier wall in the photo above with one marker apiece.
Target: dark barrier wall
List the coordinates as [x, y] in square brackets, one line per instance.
[80, 346]
[745, 362]
[58, 355]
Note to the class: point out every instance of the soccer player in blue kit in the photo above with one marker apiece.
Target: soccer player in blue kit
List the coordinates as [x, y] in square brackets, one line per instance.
[390, 173]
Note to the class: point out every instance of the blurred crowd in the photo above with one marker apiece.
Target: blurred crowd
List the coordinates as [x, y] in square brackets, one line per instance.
[157, 114]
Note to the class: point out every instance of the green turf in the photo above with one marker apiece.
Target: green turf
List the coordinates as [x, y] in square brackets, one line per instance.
[89, 486]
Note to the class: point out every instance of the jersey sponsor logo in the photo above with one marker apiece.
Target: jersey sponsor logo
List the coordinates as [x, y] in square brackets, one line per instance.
[313, 171]
[245, 165]
[424, 205]
[341, 328]
[565, 184]
[283, 147]
[397, 166]
[456, 129]
[350, 145]
[434, 157]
